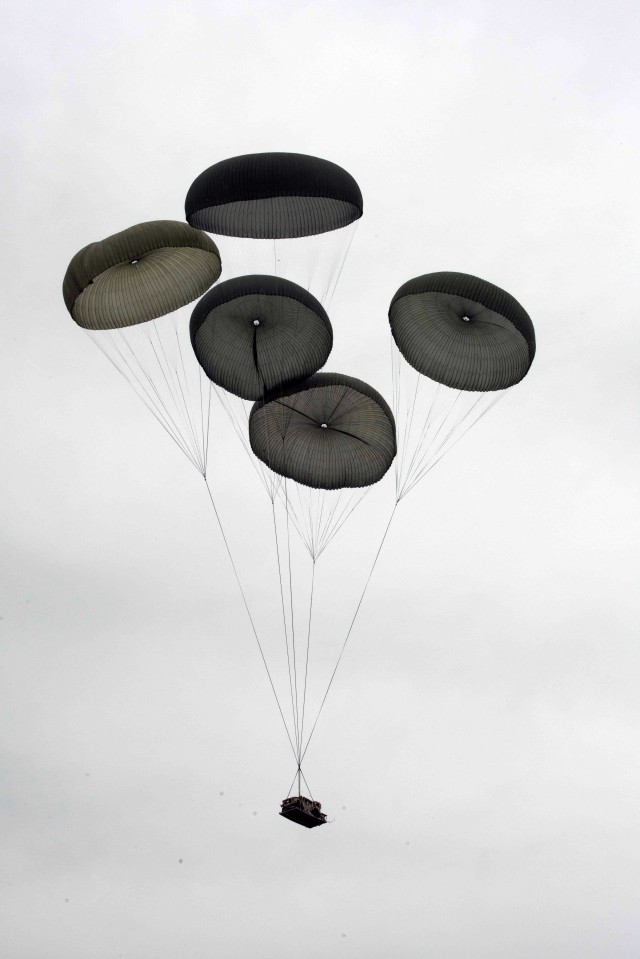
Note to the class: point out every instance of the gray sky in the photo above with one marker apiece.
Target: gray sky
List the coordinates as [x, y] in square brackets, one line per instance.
[479, 750]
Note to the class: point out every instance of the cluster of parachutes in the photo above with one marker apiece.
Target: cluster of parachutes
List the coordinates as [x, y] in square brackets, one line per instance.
[318, 440]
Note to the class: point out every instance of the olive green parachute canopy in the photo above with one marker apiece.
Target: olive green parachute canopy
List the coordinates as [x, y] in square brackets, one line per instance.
[139, 274]
[252, 334]
[331, 432]
[462, 331]
[273, 196]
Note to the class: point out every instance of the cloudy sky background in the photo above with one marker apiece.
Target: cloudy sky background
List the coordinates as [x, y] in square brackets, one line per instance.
[479, 750]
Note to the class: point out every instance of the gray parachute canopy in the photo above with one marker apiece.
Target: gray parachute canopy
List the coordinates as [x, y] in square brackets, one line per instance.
[273, 196]
[252, 334]
[462, 331]
[140, 274]
[331, 432]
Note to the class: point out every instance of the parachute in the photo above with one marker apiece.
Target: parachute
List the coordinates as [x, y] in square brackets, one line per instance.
[139, 274]
[125, 291]
[462, 331]
[334, 432]
[331, 435]
[286, 214]
[459, 343]
[256, 333]
[273, 196]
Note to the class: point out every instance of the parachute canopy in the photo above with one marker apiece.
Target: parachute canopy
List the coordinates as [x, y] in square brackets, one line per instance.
[273, 196]
[254, 333]
[139, 274]
[332, 432]
[462, 331]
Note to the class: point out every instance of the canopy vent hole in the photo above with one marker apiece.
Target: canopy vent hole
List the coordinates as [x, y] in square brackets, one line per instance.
[324, 426]
[256, 322]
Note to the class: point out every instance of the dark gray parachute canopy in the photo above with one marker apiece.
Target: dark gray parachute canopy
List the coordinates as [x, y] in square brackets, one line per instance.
[273, 196]
[332, 432]
[139, 274]
[462, 331]
[252, 334]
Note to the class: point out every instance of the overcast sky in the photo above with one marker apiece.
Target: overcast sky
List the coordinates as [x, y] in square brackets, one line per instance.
[479, 749]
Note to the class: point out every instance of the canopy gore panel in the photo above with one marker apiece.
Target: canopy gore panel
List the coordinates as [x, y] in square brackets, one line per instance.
[306, 812]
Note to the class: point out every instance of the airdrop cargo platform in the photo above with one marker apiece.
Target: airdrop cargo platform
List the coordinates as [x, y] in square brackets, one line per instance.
[304, 811]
